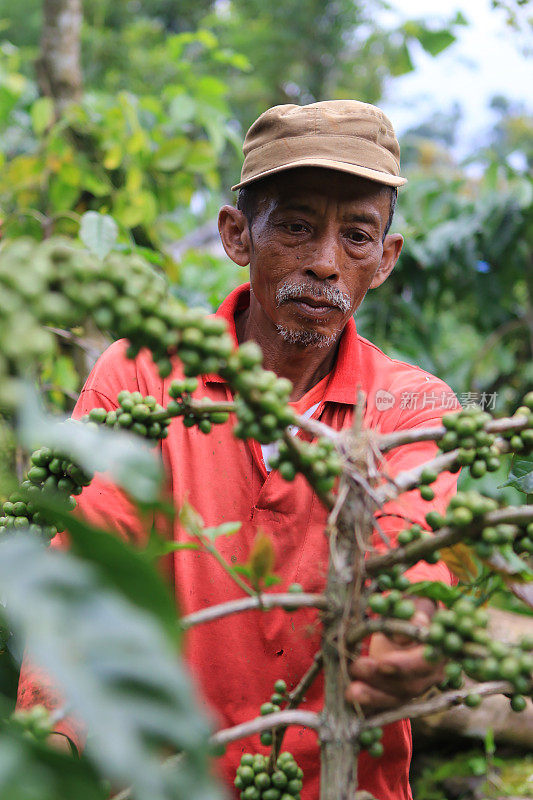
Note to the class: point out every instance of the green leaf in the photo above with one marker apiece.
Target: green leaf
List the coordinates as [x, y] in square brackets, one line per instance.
[226, 529]
[434, 42]
[242, 569]
[521, 474]
[42, 114]
[116, 669]
[271, 580]
[173, 547]
[401, 61]
[459, 19]
[506, 561]
[122, 567]
[436, 591]
[98, 232]
[29, 770]
[171, 155]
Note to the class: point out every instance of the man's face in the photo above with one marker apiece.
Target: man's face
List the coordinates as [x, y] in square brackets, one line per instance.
[316, 247]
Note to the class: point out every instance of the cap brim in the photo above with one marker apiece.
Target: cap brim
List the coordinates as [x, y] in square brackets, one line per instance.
[340, 166]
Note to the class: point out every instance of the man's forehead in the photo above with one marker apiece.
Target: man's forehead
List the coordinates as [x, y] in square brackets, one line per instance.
[312, 186]
[353, 202]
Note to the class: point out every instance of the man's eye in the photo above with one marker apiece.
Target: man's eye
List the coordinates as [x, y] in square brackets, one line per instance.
[358, 237]
[295, 227]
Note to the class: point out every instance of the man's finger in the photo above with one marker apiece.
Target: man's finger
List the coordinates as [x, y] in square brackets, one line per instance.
[368, 697]
[405, 663]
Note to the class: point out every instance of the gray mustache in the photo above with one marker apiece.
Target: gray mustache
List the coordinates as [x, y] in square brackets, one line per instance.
[292, 291]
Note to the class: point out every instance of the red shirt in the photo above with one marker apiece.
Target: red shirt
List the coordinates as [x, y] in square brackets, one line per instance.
[236, 660]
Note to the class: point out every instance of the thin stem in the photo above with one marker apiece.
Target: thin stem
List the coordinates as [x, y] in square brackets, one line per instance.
[262, 601]
[295, 698]
[224, 564]
[196, 405]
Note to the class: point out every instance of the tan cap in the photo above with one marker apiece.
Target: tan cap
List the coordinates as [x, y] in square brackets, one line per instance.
[344, 135]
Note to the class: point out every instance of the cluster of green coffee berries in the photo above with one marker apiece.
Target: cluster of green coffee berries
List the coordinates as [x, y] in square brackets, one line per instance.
[256, 782]
[476, 447]
[464, 508]
[392, 604]
[460, 634]
[58, 283]
[261, 404]
[370, 740]
[521, 441]
[143, 416]
[497, 537]
[278, 697]
[320, 463]
[51, 472]
[394, 578]
[470, 507]
[25, 281]
[198, 412]
[416, 533]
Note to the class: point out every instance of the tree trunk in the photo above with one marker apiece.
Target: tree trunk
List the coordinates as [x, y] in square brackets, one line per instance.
[58, 67]
[349, 539]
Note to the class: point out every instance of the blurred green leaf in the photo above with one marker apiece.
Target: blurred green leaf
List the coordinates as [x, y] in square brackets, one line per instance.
[98, 232]
[123, 567]
[42, 114]
[171, 154]
[116, 669]
[401, 62]
[434, 42]
[226, 529]
[435, 591]
[31, 771]
[521, 474]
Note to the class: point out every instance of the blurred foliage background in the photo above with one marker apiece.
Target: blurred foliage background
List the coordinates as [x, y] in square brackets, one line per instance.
[150, 132]
[168, 91]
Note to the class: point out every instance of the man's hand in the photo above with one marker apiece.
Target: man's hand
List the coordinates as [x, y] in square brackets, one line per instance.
[395, 670]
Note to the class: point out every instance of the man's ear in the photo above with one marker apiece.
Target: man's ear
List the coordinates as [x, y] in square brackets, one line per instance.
[235, 235]
[392, 247]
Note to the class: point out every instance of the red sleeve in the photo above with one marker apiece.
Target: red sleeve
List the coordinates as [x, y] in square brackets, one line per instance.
[410, 508]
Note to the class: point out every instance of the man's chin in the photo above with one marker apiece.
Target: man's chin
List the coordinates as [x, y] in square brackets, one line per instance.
[306, 338]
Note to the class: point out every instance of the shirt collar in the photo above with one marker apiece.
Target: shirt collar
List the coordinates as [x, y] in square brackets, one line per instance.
[346, 378]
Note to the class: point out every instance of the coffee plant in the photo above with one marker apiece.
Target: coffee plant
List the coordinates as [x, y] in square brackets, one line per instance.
[58, 284]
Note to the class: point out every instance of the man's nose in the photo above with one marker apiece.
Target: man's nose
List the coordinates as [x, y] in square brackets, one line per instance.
[324, 262]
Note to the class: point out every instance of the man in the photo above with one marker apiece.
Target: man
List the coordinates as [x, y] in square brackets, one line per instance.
[316, 199]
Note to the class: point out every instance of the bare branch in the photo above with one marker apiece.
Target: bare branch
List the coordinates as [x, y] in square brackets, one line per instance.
[389, 441]
[410, 479]
[260, 601]
[318, 429]
[445, 537]
[306, 719]
[423, 708]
